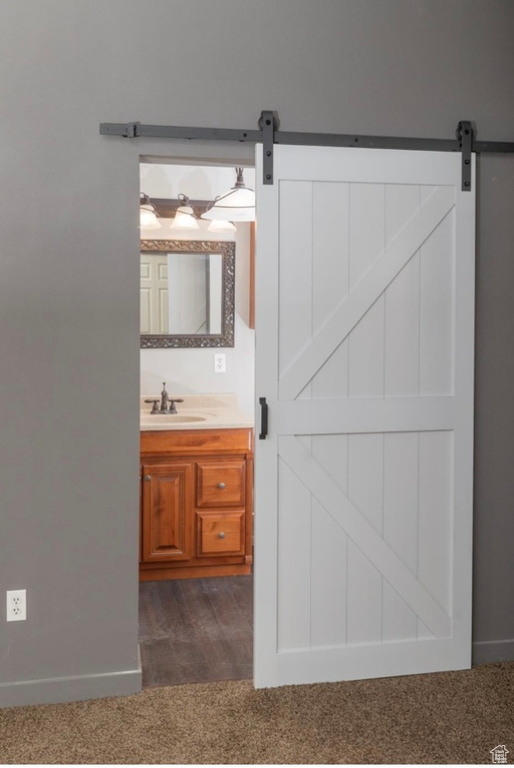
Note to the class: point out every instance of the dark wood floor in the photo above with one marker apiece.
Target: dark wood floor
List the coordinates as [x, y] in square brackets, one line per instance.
[196, 630]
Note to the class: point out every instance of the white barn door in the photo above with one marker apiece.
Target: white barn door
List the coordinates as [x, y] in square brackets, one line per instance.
[364, 352]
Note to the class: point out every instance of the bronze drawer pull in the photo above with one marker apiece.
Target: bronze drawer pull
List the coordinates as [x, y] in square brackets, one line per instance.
[221, 485]
[221, 535]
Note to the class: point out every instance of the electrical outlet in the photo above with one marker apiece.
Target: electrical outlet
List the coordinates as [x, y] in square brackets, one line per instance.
[220, 363]
[16, 604]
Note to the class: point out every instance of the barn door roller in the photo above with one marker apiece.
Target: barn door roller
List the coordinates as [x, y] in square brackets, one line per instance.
[267, 126]
[269, 135]
[465, 137]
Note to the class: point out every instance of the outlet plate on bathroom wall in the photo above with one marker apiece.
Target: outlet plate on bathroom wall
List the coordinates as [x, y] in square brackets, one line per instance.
[220, 363]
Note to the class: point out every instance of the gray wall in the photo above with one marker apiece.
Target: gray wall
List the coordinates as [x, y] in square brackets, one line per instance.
[68, 288]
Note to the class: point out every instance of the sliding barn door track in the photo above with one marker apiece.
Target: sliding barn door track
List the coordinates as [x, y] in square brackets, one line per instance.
[268, 135]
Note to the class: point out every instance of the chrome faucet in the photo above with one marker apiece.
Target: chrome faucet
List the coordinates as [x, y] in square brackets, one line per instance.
[167, 403]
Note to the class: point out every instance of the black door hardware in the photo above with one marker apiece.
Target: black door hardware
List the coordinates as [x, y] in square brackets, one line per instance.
[264, 418]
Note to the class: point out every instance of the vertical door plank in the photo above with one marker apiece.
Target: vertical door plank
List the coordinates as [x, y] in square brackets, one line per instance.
[402, 202]
[435, 517]
[366, 354]
[399, 621]
[306, 393]
[400, 526]
[426, 191]
[423, 631]
[330, 278]
[331, 381]
[306, 441]
[331, 452]
[401, 495]
[402, 333]
[294, 554]
[330, 248]
[295, 270]
[328, 580]
[437, 311]
[367, 228]
[366, 476]
[366, 244]
[365, 489]
[364, 614]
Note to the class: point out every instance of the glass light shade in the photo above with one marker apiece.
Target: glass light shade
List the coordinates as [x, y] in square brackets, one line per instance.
[184, 218]
[148, 218]
[221, 226]
[238, 204]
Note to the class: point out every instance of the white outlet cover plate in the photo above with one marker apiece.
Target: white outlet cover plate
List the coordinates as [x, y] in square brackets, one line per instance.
[220, 363]
[16, 604]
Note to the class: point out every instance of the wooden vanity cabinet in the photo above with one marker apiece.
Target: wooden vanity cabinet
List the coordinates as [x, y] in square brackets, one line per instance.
[196, 503]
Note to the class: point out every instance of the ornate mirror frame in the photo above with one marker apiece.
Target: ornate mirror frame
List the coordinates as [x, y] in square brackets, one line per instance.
[228, 251]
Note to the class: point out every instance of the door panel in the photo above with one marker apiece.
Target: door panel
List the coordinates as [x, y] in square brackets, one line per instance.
[365, 275]
[167, 503]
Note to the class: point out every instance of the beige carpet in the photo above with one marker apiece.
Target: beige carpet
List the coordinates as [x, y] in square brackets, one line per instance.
[451, 717]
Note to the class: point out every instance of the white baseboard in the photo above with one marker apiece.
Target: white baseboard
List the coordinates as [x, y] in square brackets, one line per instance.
[493, 650]
[61, 689]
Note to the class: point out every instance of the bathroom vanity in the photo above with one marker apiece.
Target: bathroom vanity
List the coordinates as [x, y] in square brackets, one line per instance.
[196, 490]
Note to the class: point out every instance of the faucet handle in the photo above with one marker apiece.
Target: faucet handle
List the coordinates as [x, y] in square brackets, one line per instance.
[155, 407]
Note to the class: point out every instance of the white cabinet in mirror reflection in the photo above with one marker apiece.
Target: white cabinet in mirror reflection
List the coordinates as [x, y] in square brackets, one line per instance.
[181, 293]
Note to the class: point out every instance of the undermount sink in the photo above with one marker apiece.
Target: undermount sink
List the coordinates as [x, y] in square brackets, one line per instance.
[173, 418]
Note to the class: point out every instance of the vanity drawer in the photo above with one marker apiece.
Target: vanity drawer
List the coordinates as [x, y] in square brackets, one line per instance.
[220, 533]
[221, 483]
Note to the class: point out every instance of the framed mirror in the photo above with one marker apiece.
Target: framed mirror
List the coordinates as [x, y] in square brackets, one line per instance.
[187, 293]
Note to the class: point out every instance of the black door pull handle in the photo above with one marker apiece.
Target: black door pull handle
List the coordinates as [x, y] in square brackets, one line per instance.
[264, 418]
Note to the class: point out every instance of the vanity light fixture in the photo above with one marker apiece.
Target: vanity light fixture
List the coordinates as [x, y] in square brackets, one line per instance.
[185, 216]
[147, 214]
[238, 204]
[220, 226]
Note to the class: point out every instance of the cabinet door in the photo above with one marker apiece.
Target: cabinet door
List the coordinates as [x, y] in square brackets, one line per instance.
[167, 512]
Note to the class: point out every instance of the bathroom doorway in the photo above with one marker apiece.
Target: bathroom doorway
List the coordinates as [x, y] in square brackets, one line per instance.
[196, 542]
[338, 434]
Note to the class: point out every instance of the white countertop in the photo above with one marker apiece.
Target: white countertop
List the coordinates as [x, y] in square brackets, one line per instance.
[196, 412]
